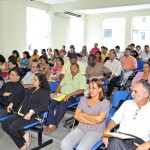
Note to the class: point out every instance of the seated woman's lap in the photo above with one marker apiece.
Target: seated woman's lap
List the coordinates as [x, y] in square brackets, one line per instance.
[3, 112]
[85, 140]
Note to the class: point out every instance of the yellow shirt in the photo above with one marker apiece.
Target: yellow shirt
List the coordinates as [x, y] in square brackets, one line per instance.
[105, 55]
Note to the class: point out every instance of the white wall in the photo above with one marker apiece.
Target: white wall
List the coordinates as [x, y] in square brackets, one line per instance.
[94, 25]
[1, 46]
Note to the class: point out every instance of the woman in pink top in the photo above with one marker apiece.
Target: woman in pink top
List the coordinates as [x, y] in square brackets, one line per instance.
[145, 75]
[55, 71]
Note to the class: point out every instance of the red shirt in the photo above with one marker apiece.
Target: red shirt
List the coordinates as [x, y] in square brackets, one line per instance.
[94, 50]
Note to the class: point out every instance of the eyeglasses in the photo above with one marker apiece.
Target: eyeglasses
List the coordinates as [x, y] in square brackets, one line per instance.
[136, 113]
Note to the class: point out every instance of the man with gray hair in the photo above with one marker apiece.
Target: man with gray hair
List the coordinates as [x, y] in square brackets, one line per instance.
[133, 117]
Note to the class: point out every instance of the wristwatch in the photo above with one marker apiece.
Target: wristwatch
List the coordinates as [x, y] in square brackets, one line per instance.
[32, 111]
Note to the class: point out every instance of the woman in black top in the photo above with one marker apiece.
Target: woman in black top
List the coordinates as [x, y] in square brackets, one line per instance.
[11, 93]
[36, 102]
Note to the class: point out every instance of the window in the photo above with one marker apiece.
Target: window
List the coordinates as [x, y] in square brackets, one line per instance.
[141, 30]
[37, 29]
[113, 32]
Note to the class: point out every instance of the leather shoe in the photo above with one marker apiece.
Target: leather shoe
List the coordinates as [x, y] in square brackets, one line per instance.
[50, 128]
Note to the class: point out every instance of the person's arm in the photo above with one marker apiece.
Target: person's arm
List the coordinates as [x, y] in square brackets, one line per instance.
[80, 118]
[45, 70]
[61, 76]
[58, 90]
[134, 65]
[107, 73]
[137, 77]
[144, 146]
[28, 86]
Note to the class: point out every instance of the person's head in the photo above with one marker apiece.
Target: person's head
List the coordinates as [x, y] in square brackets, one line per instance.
[146, 67]
[117, 48]
[79, 57]
[49, 51]
[2, 59]
[40, 82]
[35, 67]
[63, 47]
[59, 61]
[15, 53]
[129, 46]
[96, 89]
[138, 47]
[84, 48]
[98, 55]
[102, 49]
[140, 91]
[43, 59]
[62, 53]
[26, 55]
[92, 60]
[112, 54]
[72, 48]
[15, 74]
[132, 46]
[12, 63]
[127, 52]
[146, 47]
[74, 69]
[95, 45]
[73, 58]
[56, 52]
[43, 51]
[35, 52]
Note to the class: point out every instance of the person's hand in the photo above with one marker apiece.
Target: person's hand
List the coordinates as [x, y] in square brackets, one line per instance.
[67, 97]
[54, 95]
[9, 107]
[144, 146]
[6, 94]
[102, 79]
[105, 141]
[28, 116]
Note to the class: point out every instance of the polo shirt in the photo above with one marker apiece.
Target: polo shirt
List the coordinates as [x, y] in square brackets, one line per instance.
[132, 120]
[94, 50]
[28, 78]
[66, 68]
[70, 85]
[144, 56]
[105, 55]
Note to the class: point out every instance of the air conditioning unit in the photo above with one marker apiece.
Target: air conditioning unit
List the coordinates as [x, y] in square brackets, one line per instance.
[67, 14]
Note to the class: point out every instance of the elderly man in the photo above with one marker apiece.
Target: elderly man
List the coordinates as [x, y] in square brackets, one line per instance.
[129, 63]
[72, 61]
[96, 70]
[28, 78]
[133, 117]
[73, 84]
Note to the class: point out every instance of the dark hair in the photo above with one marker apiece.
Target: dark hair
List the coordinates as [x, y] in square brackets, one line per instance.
[2, 59]
[118, 47]
[27, 54]
[99, 83]
[72, 55]
[44, 57]
[1, 76]
[76, 65]
[98, 52]
[128, 49]
[57, 51]
[17, 70]
[92, 55]
[64, 47]
[103, 47]
[72, 46]
[146, 46]
[43, 82]
[138, 46]
[13, 60]
[148, 63]
[113, 51]
[15, 52]
[61, 59]
[132, 44]
[49, 49]
[79, 55]
[44, 50]
[35, 52]
[12, 57]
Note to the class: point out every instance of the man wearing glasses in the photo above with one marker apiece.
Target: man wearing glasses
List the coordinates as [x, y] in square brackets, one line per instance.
[28, 78]
[133, 117]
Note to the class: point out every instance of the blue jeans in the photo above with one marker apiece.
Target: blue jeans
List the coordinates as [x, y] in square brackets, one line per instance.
[60, 112]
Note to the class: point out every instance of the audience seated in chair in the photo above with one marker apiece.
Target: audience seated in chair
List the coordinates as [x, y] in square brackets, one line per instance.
[91, 114]
[133, 118]
[115, 66]
[35, 103]
[144, 76]
[3, 65]
[94, 49]
[55, 71]
[96, 70]
[129, 63]
[11, 93]
[28, 78]
[73, 84]
[72, 60]
[145, 54]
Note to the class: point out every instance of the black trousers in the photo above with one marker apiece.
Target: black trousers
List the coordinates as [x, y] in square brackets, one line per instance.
[119, 144]
[13, 127]
[111, 85]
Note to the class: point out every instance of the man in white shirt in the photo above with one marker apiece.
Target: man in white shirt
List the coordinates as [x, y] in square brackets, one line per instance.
[133, 117]
[119, 54]
[115, 66]
[28, 78]
[145, 55]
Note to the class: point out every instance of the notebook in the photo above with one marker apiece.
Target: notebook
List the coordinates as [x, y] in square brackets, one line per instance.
[59, 97]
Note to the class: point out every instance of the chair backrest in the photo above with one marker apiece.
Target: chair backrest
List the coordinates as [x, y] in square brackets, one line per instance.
[140, 64]
[120, 77]
[54, 85]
